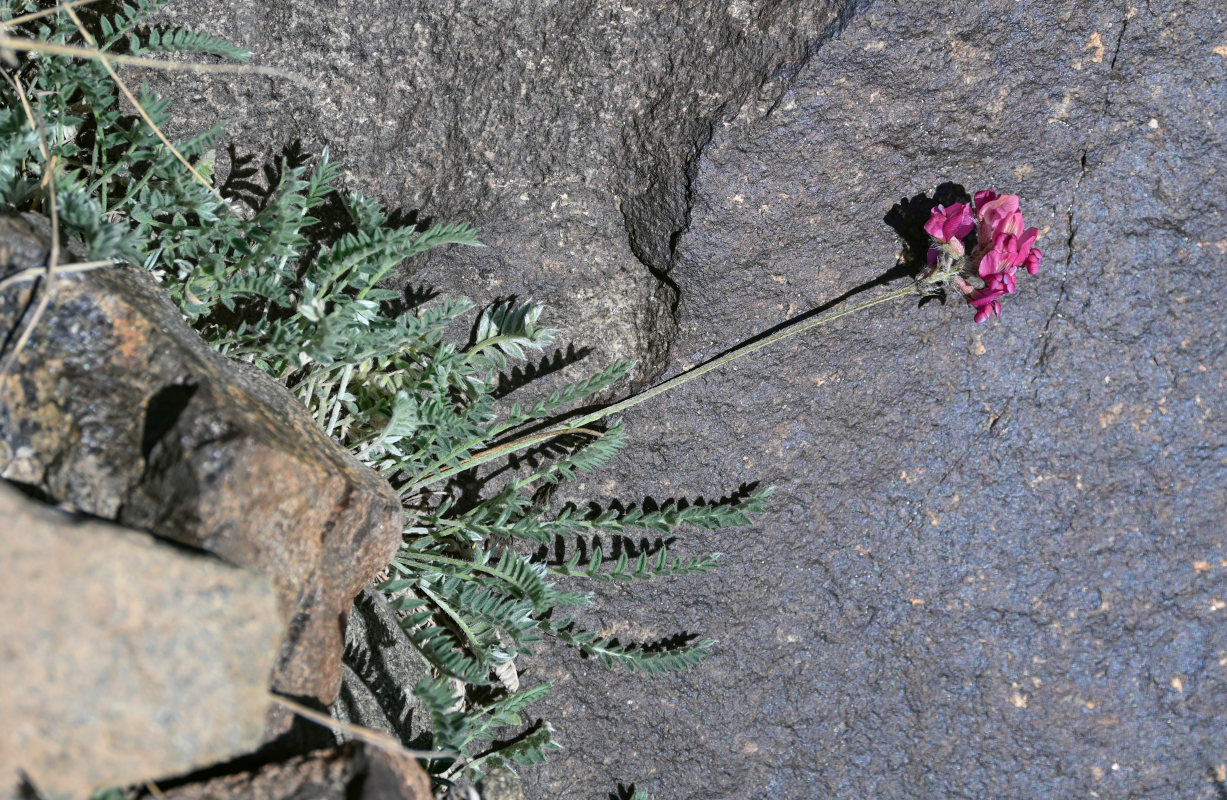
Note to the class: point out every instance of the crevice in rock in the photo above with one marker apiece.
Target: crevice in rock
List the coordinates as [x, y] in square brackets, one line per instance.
[162, 413]
[1046, 339]
[659, 257]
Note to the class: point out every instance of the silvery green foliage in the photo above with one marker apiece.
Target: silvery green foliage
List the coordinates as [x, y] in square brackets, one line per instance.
[402, 387]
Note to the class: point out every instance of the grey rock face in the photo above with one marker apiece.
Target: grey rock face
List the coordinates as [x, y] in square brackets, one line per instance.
[379, 670]
[996, 562]
[995, 565]
[565, 131]
[123, 658]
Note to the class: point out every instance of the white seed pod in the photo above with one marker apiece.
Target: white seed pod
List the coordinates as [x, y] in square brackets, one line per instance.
[508, 676]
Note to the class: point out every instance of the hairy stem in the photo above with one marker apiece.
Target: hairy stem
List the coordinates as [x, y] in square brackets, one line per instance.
[570, 426]
[733, 355]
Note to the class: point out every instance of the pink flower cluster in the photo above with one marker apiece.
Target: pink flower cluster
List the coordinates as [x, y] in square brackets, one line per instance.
[1002, 246]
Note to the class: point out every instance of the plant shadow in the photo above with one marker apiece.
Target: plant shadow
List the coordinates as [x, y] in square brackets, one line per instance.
[252, 183]
[625, 791]
[907, 219]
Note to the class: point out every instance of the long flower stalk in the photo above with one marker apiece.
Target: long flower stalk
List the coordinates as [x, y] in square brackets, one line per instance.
[1002, 247]
[733, 355]
[578, 424]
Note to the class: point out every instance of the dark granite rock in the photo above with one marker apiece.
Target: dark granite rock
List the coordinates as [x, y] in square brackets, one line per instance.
[995, 565]
[502, 784]
[379, 670]
[117, 408]
[123, 658]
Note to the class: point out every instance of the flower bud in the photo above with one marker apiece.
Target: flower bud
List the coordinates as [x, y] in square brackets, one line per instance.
[1032, 262]
[948, 225]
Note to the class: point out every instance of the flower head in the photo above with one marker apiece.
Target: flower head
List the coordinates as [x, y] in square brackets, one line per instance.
[1003, 244]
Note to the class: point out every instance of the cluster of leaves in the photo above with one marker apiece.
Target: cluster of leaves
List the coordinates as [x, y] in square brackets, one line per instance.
[272, 285]
[119, 189]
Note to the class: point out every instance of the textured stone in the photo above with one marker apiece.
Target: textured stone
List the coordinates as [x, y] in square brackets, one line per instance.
[380, 668]
[123, 658]
[995, 565]
[117, 408]
[502, 784]
[352, 771]
[565, 131]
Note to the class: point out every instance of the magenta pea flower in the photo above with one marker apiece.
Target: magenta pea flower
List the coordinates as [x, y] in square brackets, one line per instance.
[948, 226]
[996, 271]
[1032, 261]
[986, 302]
[1003, 245]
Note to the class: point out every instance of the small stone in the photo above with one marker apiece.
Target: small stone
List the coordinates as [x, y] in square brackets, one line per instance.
[117, 408]
[380, 668]
[123, 658]
[502, 784]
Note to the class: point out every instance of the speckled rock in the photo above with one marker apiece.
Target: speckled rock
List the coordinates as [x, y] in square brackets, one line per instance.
[117, 408]
[123, 658]
[502, 784]
[379, 670]
[995, 564]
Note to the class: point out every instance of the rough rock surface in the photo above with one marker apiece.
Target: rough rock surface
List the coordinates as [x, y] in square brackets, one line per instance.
[123, 658]
[117, 408]
[379, 671]
[995, 563]
[566, 131]
[351, 771]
